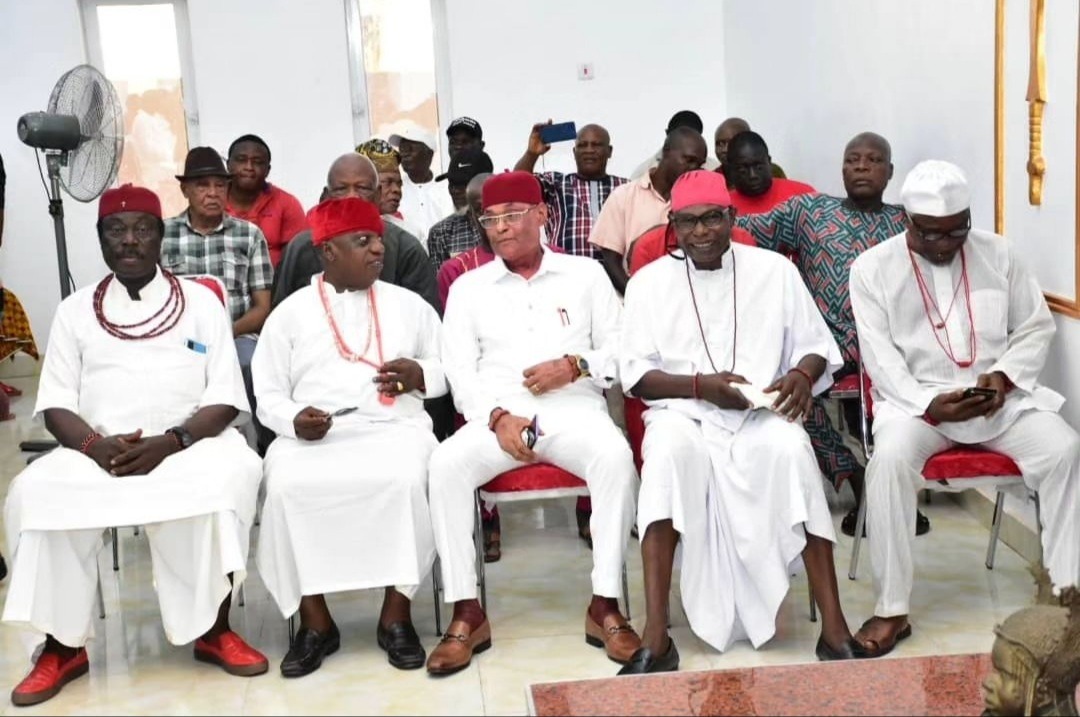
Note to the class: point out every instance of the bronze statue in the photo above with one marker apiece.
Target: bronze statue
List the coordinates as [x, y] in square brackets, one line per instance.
[1036, 656]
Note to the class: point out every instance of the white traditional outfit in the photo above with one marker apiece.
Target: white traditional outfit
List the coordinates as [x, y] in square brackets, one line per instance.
[424, 205]
[348, 511]
[1005, 326]
[496, 325]
[197, 505]
[742, 487]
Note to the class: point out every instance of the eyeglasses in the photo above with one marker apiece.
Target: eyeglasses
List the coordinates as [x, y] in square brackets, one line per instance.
[116, 233]
[512, 219]
[685, 223]
[929, 236]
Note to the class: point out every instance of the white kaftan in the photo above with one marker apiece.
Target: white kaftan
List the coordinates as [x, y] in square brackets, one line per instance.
[424, 205]
[349, 511]
[58, 507]
[738, 485]
[908, 368]
[497, 324]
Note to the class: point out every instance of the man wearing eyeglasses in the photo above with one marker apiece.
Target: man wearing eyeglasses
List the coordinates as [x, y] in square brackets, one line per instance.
[528, 343]
[732, 479]
[954, 332]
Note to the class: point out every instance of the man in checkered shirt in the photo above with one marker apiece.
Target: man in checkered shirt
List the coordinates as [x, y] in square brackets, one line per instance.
[206, 240]
[574, 200]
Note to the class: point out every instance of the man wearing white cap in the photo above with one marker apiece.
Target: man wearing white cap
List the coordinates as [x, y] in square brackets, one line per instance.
[939, 309]
[423, 201]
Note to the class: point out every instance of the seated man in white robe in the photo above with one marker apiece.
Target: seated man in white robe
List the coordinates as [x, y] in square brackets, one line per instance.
[140, 385]
[528, 345]
[954, 332]
[734, 480]
[341, 372]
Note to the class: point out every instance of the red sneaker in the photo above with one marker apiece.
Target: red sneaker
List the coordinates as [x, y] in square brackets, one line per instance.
[229, 651]
[51, 672]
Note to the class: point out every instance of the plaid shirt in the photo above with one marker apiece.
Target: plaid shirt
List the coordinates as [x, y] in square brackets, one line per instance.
[570, 217]
[451, 236]
[235, 252]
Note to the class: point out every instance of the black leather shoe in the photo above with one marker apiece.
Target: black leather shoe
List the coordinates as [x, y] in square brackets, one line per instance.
[308, 650]
[402, 645]
[850, 650]
[847, 524]
[3, 568]
[643, 661]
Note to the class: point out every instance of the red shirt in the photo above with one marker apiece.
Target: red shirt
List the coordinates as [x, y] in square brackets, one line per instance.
[780, 190]
[457, 265]
[655, 243]
[278, 214]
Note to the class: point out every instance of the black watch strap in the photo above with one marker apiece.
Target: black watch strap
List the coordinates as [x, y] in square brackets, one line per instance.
[182, 436]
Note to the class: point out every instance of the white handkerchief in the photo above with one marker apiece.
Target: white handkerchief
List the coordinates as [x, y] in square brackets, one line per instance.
[757, 397]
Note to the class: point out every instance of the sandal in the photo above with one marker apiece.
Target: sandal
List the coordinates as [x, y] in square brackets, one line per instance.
[879, 648]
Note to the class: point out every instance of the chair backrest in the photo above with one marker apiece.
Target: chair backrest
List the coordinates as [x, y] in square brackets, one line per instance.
[634, 410]
[213, 283]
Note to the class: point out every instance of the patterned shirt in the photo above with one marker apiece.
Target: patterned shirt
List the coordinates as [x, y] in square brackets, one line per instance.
[235, 252]
[826, 235]
[573, 205]
[451, 236]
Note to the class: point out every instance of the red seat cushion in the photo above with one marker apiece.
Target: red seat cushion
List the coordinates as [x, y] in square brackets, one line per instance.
[212, 283]
[846, 384]
[634, 410]
[968, 462]
[538, 476]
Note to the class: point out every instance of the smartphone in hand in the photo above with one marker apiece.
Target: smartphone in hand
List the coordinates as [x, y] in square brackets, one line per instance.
[530, 433]
[562, 132]
[976, 391]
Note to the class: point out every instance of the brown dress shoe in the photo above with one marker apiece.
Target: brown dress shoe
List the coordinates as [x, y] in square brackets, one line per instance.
[616, 637]
[459, 644]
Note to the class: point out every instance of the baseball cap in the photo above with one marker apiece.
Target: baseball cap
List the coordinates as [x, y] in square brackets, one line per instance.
[467, 124]
[410, 130]
[467, 166]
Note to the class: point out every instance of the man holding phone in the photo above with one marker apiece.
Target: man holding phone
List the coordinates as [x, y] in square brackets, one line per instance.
[954, 332]
[529, 342]
[573, 200]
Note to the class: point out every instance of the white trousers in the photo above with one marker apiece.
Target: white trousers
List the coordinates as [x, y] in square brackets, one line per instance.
[54, 576]
[1045, 448]
[586, 444]
[348, 512]
[743, 503]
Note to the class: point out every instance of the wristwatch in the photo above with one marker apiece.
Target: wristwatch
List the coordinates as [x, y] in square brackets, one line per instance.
[581, 364]
[182, 436]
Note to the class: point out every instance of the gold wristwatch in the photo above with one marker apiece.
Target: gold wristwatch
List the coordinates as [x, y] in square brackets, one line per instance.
[580, 364]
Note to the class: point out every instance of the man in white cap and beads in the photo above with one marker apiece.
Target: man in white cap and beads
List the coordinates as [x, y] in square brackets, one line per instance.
[939, 309]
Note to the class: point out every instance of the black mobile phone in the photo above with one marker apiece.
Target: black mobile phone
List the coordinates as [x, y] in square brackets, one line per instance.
[562, 132]
[530, 433]
[976, 391]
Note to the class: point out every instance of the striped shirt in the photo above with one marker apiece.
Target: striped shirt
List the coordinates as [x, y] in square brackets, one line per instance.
[573, 203]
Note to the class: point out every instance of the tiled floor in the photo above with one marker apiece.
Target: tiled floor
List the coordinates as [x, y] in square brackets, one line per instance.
[537, 596]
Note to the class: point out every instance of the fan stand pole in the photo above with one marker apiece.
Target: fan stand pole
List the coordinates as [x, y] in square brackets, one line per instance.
[53, 161]
[56, 208]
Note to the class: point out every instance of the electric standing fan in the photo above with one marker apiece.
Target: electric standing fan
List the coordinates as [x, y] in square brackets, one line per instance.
[82, 135]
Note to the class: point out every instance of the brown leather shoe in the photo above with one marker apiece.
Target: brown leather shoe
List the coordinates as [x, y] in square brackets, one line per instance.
[459, 644]
[616, 637]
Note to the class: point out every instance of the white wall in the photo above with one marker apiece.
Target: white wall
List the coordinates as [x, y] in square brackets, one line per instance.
[810, 75]
[277, 68]
[515, 63]
[919, 72]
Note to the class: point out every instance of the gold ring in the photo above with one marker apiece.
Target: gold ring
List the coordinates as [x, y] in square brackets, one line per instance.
[400, 387]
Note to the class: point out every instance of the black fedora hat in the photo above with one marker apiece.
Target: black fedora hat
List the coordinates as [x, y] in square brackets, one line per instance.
[203, 162]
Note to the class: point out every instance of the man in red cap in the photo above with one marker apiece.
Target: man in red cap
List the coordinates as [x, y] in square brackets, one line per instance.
[728, 468]
[140, 379]
[528, 348]
[341, 373]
